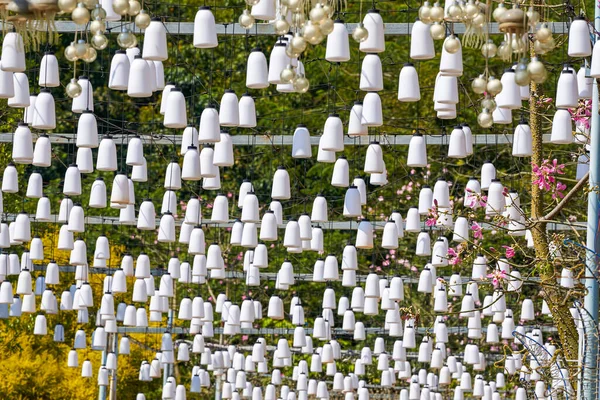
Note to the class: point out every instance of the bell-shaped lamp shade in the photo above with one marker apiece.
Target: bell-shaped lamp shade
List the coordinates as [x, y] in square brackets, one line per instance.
[107, 155]
[85, 101]
[264, 9]
[278, 61]
[562, 127]
[87, 130]
[49, 75]
[584, 83]
[155, 42]
[21, 97]
[229, 113]
[371, 74]
[522, 141]
[209, 130]
[44, 112]
[7, 86]
[175, 111]
[457, 146]
[301, 143]
[408, 84]
[257, 70]
[451, 63]
[13, 52]
[417, 151]
[22, 151]
[333, 134]
[247, 111]
[140, 76]
[510, 96]
[118, 78]
[580, 44]
[446, 89]
[338, 45]
[355, 126]
[421, 42]
[375, 41]
[567, 95]
[10, 179]
[372, 114]
[205, 31]
[341, 173]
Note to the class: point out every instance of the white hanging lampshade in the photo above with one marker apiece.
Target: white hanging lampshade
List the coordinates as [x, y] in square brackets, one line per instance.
[49, 75]
[191, 165]
[175, 111]
[265, 10]
[76, 219]
[580, 44]
[21, 89]
[352, 205]
[338, 45]
[584, 83]
[164, 97]
[278, 61]
[10, 179]
[166, 230]
[362, 189]
[120, 190]
[34, 186]
[374, 159]
[441, 193]
[372, 114]
[446, 89]
[135, 151]
[417, 151]
[371, 74]
[188, 138]
[510, 95]
[364, 235]
[595, 67]
[140, 76]
[408, 84]
[173, 176]
[257, 71]
[495, 202]
[223, 152]
[567, 95]
[413, 221]
[139, 173]
[423, 247]
[488, 172]
[118, 78]
[85, 101]
[7, 86]
[421, 42]
[209, 130]
[247, 111]
[205, 31]
[522, 141]
[333, 134]
[375, 41]
[40, 326]
[44, 112]
[22, 149]
[355, 126]
[319, 209]
[72, 181]
[87, 130]
[107, 155]
[451, 63]
[22, 232]
[160, 75]
[155, 41]
[448, 113]
[13, 52]
[207, 167]
[220, 208]
[502, 116]
[389, 239]
[301, 143]
[229, 111]
[341, 173]
[147, 216]
[457, 146]
[562, 127]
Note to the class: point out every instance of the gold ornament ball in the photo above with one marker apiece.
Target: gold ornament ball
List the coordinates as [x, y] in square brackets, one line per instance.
[80, 15]
[498, 12]
[478, 20]
[81, 48]
[479, 84]
[142, 20]
[452, 45]
[326, 26]
[98, 13]
[494, 86]
[455, 12]
[291, 52]
[246, 20]
[252, 2]
[301, 84]
[319, 38]
[125, 38]
[73, 88]
[281, 25]
[543, 34]
[549, 44]
[287, 74]
[327, 10]
[121, 7]
[298, 43]
[522, 77]
[71, 52]
[489, 50]
[360, 33]
[294, 5]
[97, 26]
[310, 30]
[437, 13]
[537, 70]
[484, 119]
[134, 8]
[99, 41]
[538, 48]
[90, 4]
[438, 31]
[533, 17]
[488, 103]
[471, 10]
[90, 55]
[67, 6]
[317, 14]
[134, 41]
[425, 12]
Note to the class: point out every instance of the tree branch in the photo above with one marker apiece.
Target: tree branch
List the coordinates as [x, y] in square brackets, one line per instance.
[567, 197]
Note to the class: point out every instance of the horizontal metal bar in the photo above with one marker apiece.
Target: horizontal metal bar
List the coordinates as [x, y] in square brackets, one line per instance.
[282, 140]
[332, 225]
[187, 28]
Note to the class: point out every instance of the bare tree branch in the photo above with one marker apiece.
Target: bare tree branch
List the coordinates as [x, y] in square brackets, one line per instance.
[567, 197]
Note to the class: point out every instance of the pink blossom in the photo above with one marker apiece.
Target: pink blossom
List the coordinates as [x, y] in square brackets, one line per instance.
[545, 177]
[477, 231]
[510, 252]
[497, 276]
[453, 256]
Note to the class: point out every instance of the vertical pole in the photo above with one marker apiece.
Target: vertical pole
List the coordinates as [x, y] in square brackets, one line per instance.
[113, 379]
[102, 389]
[589, 385]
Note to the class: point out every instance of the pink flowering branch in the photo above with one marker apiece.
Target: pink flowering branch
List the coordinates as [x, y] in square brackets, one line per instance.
[575, 190]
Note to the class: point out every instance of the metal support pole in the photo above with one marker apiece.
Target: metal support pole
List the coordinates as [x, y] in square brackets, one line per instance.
[102, 389]
[589, 381]
[113, 379]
